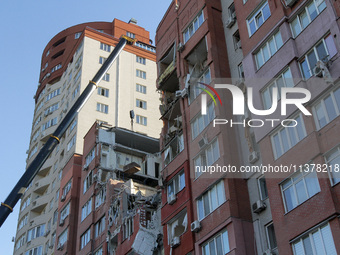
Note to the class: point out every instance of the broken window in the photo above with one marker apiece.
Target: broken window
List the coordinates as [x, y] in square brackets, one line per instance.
[178, 225]
[88, 182]
[99, 227]
[127, 228]
[176, 184]
[175, 146]
[100, 197]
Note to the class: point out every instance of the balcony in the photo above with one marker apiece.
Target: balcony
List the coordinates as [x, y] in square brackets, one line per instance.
[41, 186]
[168, 81]
[39, 204]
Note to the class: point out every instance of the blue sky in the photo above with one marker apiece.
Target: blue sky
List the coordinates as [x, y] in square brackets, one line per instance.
[26, 27]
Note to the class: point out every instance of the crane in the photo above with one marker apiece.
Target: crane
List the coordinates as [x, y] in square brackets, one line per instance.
[7, 206]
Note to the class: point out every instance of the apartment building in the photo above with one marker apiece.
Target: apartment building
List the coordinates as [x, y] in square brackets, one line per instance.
[201, 213]
[118, 202]
[68, 62]
[294, 44]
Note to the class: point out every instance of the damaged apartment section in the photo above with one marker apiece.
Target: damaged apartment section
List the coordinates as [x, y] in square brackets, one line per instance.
[197, 77]
[121, 203]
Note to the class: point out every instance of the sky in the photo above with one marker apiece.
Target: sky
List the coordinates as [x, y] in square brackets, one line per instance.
[25, 29]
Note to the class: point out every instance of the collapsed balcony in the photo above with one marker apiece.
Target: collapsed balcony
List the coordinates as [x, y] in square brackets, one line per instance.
[167, 80]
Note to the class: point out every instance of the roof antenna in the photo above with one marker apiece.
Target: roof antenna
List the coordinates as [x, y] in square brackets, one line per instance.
[132, 116]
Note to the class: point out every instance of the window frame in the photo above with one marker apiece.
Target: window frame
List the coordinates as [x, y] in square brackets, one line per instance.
[255, 14]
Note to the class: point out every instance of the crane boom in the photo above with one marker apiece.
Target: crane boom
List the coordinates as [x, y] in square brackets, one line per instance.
[7, 206]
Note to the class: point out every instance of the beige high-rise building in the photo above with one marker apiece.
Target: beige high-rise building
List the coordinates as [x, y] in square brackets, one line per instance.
[69, 61]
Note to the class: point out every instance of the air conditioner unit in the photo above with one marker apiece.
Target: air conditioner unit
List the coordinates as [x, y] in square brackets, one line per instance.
[203, 142]
[85, 167]
[48, 75]
[180, 47]
[195, 226]
[63, 197]
[318, 71]
[51, 246]
[259, 206]
[269, 252]
[290, 3]
[239, 45]
[230, 21]
[172, 199]
[60, 246]
[62, 223]
[175, 242]
[182, 93]
[253, 157]
[95, 177]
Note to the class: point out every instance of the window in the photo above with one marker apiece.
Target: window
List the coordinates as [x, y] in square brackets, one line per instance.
[77, 35]
[197, 89]
[141, 88]
[298, 188]
[178, 225]
[127, 228]
[50, 123]
[140, 104]
[76, 78]
[67, 187]
[105, 47]
[271, 238]
[309, 13]
[90, 156]
[100, 197]
[51, 109]
[88, 181]
[26, 202]
[206, 158]
[193, 26]
[200, 122]
[141, 74]
[103, 92]
[53, 94]
[86, 209]
[23, 222]
[131, 35]
[102, 108]
[40, 105]
[318, 241]
[285, 79]
[219, 244]
[176, 184]
[106, 77]
[237, 40]
[141, 120]
[262, 187]
[33, 151]
[73, 125]
[35, 232]
[85, 238]
[99, 227]
[102, 60]
[145, 46]
[71, 143]
[287, 137]
[20, 242]
[55, 68]
[140, 60]
[324, 50]
[55, 216]
[255, 21]
[210, 200]
[240, 70]
[333, 160]
[64, 212]
[99, 252]
[327, 109]
[268, 49]
[35, 251]
[63, 237]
